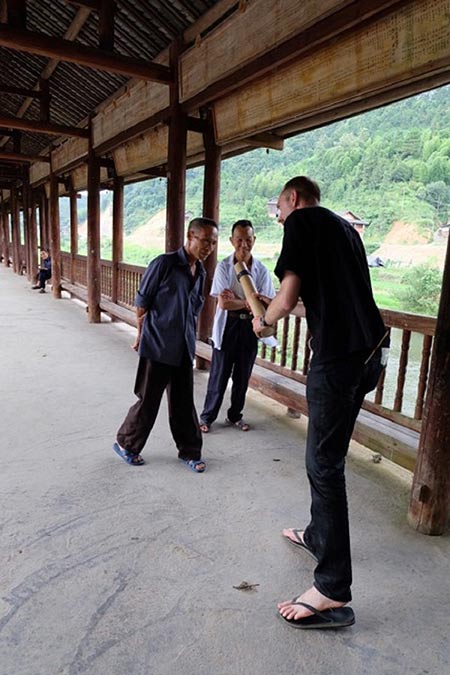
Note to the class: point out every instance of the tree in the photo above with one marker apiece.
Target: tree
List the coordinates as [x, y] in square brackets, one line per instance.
[420, 289]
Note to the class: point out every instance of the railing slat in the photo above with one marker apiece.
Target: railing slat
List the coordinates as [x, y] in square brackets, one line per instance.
[402, 367]
[423, 376]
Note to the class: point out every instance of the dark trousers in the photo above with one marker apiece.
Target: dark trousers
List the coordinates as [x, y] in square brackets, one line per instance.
[151, 380]
[335, 392]
[235, 358]
[42, 277]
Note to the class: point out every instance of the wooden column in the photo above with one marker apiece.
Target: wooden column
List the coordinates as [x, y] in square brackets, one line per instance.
[117, 234]
[26, 227]
[43, 218]
[211, 198]
[15, 229]
[73, 231]
[429, 510]
[176, 162]
[33, 237]
[55, 242]
[5, 233]
[93, 235]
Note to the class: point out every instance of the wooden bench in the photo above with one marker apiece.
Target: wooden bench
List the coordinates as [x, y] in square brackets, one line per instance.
[110, 308]
[388, 438]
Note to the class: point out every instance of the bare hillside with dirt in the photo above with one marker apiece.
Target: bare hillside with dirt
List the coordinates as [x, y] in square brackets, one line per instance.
[404, 245]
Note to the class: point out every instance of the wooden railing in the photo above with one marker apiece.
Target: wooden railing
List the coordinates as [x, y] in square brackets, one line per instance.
[400, 393]
[405, 373]
[129, 278]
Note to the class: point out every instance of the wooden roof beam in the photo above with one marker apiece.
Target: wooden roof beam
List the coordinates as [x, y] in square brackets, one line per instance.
[16, 13]
[21, 158]
[265, 140]
[42, 127]
[9, 89]
[71, 33]
[106, 10]
[64, 50]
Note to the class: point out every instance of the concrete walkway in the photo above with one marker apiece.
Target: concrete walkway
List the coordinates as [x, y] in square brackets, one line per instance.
[109, 569]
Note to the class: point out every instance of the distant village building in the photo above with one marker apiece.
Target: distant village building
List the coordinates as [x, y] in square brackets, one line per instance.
[272, 207]
[358, 224]
[443, 231]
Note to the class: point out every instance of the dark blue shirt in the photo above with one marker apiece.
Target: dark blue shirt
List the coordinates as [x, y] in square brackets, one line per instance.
[173, 298]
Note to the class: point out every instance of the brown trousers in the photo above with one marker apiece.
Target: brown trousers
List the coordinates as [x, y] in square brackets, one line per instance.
[151, 380]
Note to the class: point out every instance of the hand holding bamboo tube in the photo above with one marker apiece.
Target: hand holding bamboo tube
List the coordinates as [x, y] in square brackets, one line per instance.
[248, 286]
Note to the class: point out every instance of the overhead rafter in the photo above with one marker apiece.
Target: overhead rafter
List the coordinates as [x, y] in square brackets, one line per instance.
[21, 158]
[100, 59]
[106, 10]
[9, 89]
[42, 127]
[72, 32]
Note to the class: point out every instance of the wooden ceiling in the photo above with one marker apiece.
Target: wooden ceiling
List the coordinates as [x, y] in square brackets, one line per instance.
[60, 59]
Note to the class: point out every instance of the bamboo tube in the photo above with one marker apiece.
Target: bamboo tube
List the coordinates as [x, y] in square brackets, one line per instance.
[245, 279]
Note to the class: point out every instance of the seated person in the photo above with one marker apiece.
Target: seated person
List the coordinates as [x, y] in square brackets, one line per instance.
[45, 271]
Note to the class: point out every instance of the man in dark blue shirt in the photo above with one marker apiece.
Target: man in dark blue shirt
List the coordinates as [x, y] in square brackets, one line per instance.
[168, 302]
[323, 261]
[45, 271]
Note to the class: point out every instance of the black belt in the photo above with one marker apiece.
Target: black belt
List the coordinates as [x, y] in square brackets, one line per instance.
[239, 315]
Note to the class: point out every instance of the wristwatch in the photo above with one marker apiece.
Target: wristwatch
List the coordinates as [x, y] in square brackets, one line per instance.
[263, 323]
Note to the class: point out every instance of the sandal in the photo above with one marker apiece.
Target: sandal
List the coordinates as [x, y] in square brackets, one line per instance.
[132, 458]
[240, 424]
[204, 428]
[194, 464]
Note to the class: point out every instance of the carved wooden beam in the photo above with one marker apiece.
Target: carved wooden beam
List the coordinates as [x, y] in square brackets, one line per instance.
[42, 127]
[160, 117]
[52, 46]
[323, 31]
[265, 140]
[22, 158]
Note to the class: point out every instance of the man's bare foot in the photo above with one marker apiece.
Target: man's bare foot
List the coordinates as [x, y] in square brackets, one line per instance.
[312, 597]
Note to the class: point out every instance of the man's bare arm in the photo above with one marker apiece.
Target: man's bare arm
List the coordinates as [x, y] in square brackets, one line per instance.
[140, 317]
[228, 300]
[284, 303]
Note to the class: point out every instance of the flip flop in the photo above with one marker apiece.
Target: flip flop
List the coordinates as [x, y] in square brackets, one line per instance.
[193, 464]
[240, 424]
[299, 543]
[341, 617]
[132, 458]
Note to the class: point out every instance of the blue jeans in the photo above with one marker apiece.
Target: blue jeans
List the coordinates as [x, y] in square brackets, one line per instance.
[335, 392]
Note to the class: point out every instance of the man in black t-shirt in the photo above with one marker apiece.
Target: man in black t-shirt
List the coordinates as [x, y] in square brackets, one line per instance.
[323, 261]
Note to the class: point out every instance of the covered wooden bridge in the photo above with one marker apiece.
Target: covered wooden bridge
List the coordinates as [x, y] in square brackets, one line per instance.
[96, 94]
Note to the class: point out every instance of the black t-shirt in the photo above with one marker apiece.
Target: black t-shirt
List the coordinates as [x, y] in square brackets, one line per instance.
[326, 252]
